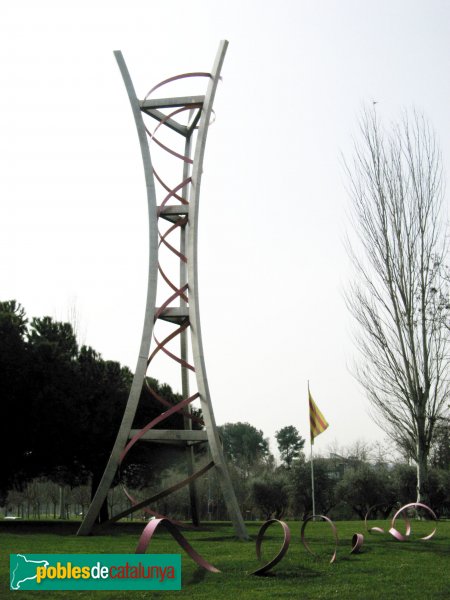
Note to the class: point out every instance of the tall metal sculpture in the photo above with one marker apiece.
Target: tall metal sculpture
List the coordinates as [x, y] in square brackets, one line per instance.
[178, 210]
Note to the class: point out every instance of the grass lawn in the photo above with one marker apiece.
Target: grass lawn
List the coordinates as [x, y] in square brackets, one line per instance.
[385, 569]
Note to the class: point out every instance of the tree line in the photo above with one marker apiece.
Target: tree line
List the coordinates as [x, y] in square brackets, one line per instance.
[347, 484]
[62, 408]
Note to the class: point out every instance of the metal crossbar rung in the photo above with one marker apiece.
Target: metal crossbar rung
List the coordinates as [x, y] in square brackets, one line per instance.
[171, 123]
[171, 102]
[172, 435]
[173, 211]
[174, 314]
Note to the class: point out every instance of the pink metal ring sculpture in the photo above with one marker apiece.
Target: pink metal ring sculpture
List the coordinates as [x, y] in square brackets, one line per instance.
[173, 193]
[399, 536]
[357, 543]
[172, 310]
[333, 528]
[149, 530]
[373, 529]
[284, 547]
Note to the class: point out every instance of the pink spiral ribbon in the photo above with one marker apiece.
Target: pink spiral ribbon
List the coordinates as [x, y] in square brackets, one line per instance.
[399, 536]
[284, 547]
[357, 543]
[393, 531]
[333, 529]
[176, 78]
[174, 193]
[151, 527]
[373, 529]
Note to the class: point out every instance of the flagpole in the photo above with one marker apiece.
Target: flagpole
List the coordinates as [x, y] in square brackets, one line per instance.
[312, 464]
[317, 425]
[312, 482]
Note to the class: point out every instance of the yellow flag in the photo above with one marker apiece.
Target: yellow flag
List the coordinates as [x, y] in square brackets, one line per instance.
[317, 421]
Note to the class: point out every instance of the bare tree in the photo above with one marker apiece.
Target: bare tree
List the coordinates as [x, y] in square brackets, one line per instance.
[395, 183]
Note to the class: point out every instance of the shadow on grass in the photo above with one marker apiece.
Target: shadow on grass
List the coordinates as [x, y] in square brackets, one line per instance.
[198, 576]
[413, 546]
[223, 538]
[30, 527]
[300, 572]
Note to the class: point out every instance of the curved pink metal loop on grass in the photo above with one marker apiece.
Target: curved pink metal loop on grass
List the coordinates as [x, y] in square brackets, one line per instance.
[333, 528]
[149, 530]
[403, 537]
[357, 543]
[372, 529]
[284, 547]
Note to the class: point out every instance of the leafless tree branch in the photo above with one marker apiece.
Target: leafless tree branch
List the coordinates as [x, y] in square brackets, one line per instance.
[395, 184]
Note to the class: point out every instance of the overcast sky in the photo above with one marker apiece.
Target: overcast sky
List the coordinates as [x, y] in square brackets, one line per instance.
[272, 266]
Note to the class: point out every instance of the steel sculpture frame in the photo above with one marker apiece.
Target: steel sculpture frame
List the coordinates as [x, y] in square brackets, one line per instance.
[180, 207]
